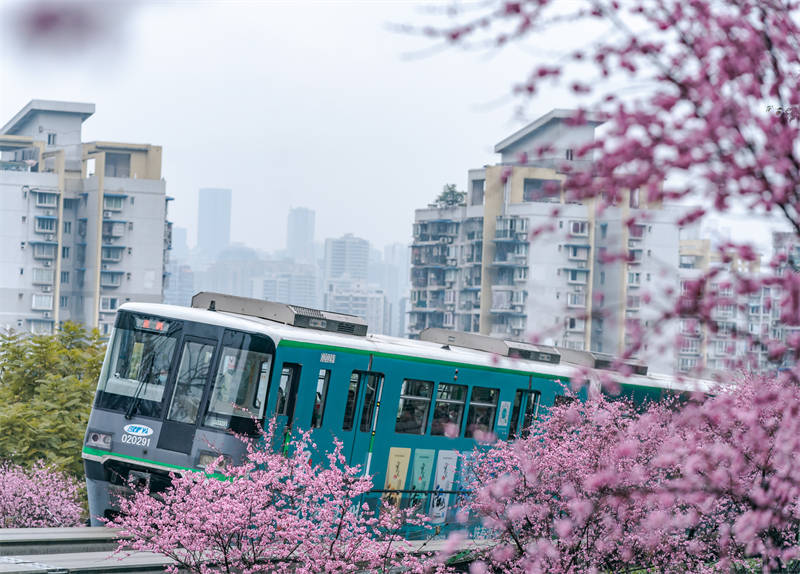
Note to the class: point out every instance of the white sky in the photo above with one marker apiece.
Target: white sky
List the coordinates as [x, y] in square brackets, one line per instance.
[314, 104]
[289, 104]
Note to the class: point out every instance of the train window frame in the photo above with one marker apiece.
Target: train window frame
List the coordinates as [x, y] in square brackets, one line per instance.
[413, 400]
[244, 365]
[368, 409]
[351, 401]
[145, 396]
[320, 398]
[289, 392]
[529, 416]
[173, 416]
[475, 405]
[440, 400]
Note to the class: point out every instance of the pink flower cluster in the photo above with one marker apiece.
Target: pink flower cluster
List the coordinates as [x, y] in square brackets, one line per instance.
[38, 497]
[601, 487]
[273, 513]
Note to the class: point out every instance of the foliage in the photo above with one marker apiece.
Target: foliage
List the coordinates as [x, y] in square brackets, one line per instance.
[600, 487]
[47, 383]
[273, 513]
[38, 497]
[450, 196]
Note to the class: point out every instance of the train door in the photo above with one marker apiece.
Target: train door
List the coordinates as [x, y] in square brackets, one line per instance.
[361, 413]
[523, 413]
[287, 398]
[188, 386]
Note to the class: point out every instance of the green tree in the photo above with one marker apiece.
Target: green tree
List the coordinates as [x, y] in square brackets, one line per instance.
[47, 383]
[450, 196]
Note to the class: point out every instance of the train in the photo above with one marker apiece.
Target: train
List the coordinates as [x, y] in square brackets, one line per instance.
[178, 383]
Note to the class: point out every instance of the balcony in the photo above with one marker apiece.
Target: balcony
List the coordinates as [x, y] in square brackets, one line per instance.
[110, 278]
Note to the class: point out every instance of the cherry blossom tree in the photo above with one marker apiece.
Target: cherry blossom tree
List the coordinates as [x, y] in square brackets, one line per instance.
[703, 486]
[273, 513]
[38, 497]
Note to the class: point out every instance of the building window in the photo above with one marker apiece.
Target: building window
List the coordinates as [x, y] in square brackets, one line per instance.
[64, 277]
[42, 302]
[320, 396]
[46, 200]
[478, 186]
[46, 224]
[112, 202]
[634, 278]
[51, 139]
[569, 154]
[413, 408]
[63, 301]
[109, 303]
[67, 227]
[579, 228]
[482, 408]
[41, 275]
[65, 252]
[541, 190]
[44, 251]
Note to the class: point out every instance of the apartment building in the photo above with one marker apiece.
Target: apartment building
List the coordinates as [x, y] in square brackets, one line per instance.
[476, 268]
[83, 225]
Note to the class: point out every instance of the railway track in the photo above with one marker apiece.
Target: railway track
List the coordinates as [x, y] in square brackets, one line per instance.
[71, 551]
[91, 551]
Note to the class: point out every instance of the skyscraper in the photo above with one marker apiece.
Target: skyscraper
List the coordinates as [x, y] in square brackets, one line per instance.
[213, 220]
[300, 235]
[347, 256]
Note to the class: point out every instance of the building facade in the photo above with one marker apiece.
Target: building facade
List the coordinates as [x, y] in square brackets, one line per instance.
[476, 268]
[83, 225]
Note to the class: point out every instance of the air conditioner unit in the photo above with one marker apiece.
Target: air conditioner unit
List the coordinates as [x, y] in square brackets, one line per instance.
[46, 314]
[105, 266]
[48, 263]
[106, 214]
[47, 288]
[49, 212]
[51, 237]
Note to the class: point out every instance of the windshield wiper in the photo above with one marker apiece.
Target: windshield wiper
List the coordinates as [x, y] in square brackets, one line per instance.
[137, 396]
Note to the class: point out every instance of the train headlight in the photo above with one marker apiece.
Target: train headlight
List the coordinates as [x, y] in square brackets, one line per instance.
[99, 440]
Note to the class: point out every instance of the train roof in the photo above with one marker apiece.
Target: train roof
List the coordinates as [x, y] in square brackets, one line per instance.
[384, 345]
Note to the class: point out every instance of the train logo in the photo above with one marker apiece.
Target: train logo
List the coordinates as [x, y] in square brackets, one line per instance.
[138, 430]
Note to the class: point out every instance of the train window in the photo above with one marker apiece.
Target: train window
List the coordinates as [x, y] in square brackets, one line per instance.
[413, 408]
[192, 375]
[240, 387]
[136, 373]
[287, 390]
[370, 398]
[323, 379]
[449, 408]
[482, 408]
[526, 404]
[350, 406]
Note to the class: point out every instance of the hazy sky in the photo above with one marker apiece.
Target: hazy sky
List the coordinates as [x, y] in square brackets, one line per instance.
[289, 104]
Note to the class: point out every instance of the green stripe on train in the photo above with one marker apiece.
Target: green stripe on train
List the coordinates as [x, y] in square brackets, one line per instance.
[320, 346]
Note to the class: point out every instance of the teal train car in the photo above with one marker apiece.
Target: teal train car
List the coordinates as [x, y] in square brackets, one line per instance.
[177, 382]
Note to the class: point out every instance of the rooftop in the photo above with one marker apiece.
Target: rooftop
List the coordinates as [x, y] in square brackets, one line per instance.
[557, 115]
[82, 109]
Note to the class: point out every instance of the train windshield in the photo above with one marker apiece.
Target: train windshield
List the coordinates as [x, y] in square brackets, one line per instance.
[240, 385]
[134, 379]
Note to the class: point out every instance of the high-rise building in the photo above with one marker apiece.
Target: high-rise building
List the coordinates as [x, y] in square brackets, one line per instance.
[213, 220]
[300, 235]
[347, 256]
[83, 225]
[475, 268]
